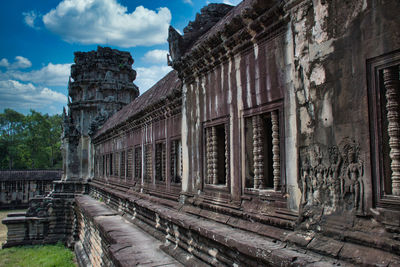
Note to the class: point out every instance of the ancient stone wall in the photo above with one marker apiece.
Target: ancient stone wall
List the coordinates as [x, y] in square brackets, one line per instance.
[18, 187]
[149, 146]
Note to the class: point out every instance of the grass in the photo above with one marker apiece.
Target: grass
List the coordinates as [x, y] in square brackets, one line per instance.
[32, 256]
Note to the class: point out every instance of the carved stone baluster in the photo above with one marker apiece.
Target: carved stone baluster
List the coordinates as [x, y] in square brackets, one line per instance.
[392, 85]
[258, 153]
[181, 158]
[173, 161]
[214, 157]
[163, 156]
[209, 156]
[275, 150]
[158, 162]
[226, 153]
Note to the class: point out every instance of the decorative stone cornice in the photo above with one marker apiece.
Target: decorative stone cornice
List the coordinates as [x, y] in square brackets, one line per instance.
[253, 24]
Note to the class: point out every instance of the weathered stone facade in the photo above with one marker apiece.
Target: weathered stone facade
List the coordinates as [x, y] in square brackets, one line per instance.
[274, 141]
[100, 84]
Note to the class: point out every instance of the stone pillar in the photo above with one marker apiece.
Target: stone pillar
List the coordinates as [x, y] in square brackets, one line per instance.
[214, 149]
[258, 153]
[209, 156]
[392, 85]
[227, 176]
[275, 150]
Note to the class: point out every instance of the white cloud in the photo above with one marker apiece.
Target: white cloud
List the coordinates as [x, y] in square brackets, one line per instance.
[30, 18]
[228, 2]
[25, 96]
[49, 75]
[156, 56]
[21, 63]
[232, 2]
[4, 63]
[108, 22]
[147, 77]
[188, 2]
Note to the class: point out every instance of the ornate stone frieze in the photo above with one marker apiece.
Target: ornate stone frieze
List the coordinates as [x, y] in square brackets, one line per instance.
[332, 179]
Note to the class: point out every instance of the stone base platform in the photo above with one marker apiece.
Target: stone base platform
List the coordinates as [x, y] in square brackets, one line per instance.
[123, 243]
[108, 238]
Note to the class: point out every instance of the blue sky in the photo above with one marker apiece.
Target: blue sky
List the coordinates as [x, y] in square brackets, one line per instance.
[39, 38]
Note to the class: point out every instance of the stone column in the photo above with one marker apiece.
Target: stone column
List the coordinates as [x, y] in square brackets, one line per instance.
[227, 176]
[209, 156]
[275, 150]
[258, 153]
[214, 149]
[392, 85]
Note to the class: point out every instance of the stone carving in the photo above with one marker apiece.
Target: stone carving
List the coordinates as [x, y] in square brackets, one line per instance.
[258, 153]
[101, 83]
[275, 150]
[392, 85]
[209, 157]
[39, 207]
[332, 178]
[227, 153]
[149, 163]
[138, 163]
[214, 155]
[208, 17]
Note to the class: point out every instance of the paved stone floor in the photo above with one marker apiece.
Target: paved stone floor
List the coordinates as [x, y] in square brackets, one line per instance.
[133, 246]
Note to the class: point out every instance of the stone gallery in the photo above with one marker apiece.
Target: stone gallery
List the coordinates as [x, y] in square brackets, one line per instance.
[274, 141]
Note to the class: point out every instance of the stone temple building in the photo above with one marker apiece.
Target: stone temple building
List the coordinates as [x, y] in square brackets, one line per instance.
[274, 141]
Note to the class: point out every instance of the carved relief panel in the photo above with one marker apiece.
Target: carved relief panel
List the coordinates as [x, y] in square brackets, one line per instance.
[332, 179]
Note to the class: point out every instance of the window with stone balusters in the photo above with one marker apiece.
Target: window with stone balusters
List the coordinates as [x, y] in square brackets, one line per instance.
[129, 163]
[138, 163]
[111, 164]
[122, 165]
[102, 166]
[176, 161]
[160, 162]
[217, 154]
[116, 164]
[148, 163]
[262, 151]
[384, 110]
[96, 166]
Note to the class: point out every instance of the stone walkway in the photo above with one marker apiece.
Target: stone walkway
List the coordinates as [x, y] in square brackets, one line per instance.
[133, 246]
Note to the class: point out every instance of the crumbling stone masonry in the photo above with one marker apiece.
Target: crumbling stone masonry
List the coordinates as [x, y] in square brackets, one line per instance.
[100, 84]
[274, 142]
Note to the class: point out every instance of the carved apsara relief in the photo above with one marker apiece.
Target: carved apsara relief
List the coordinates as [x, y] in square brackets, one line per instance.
[332, 178]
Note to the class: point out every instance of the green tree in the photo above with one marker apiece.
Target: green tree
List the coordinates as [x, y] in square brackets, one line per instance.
[31, 141]
[12, 126]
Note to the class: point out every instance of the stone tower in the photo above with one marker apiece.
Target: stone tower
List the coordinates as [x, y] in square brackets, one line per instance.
[101, 83]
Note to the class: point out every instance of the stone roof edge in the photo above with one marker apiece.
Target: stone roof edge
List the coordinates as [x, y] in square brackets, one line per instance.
[232, 34]
[175, 92]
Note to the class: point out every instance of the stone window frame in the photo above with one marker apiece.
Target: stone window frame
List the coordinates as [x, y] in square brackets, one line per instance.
[375, 83]
[248, 113]
[138, 178]
[163, 166]
[122, 164]
[217, 187]
[130, 162]
[148, 167]
[171, 169]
